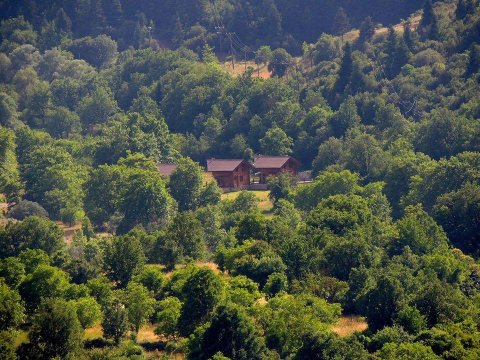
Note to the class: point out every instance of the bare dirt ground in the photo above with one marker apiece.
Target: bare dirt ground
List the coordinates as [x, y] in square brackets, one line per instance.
[69, 231]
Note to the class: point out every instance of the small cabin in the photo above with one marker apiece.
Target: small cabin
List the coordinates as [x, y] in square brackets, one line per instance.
[230, 174]
[267, 166]
[166, 170]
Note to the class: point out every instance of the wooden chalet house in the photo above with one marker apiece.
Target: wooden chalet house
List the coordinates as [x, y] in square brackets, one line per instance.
[230, 174]
[273, 165]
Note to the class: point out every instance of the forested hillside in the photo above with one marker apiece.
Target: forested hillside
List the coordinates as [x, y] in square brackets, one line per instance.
[102, 256]
[284, 23]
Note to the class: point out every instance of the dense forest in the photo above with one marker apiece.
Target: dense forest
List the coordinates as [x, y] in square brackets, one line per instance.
[103, 257]
[192, 22]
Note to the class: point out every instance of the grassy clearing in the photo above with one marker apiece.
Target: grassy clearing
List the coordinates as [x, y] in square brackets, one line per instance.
[240, 69]
[265, 205]
[347, 325]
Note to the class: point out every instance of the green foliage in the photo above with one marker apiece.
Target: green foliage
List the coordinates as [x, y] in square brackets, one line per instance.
[419, 231]
[56, 330]
[32, 233]
[277, 283]
[26, 208]
[10, 177]
[123, 259]
[276, 142]
[325, 345]
[44, 282]
[232, 334]
[11, 308]
[281, 186]
[88, 311]
[287, 318]
[139, 302]
[252, 226]
[168, 315]
[115, 321]
[202, 293]
[186, 183]
[254, 259]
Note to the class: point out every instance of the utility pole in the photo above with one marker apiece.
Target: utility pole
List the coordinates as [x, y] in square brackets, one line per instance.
[149, 28]
[220, 31]
[231, 49]
[245, 49]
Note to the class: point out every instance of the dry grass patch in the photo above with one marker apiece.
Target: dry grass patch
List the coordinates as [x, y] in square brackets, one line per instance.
[240, 69]
[265, 205]
[347, 325]
[95, 332]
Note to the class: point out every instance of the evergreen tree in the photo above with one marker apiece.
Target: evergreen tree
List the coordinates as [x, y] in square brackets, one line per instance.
[346, 68]
[341, 23]
[461, 10]
[408, 36]
[474, 62]
[428, 15]
[429, 24]
[63, 22]
[397, 54]
[367, 30]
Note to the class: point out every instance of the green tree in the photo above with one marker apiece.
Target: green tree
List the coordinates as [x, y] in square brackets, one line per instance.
[168, 315]
[281, 186]
[419, 232]
[341, 23]
[12, 271]
[429, 22]
[346, 118]
[56, 330]
[115, 321]
[99, 51]
[123, 259]
[232, 334]
[345, 71]
[202, 292]
[9, 175]
[186, 184]
[89, 312]
[140, 303]
[11, 308]
[146, 201]
[458, 212]
[322, 345]
[367, 30]
[280, 61]
[44, 282]
[32, 233]
[25, 209]
[276, 142]
[251, 226]
[413, 351]
[384, 302]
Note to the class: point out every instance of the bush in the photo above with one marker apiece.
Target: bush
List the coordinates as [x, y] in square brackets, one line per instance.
[25, 209]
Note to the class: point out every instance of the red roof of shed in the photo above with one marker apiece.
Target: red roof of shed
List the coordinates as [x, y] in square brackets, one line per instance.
[271, 162]
[166, 169]
[224, 165]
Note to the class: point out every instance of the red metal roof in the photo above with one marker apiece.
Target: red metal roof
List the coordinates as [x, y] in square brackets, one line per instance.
[224, 164]
[271, 162]
[166, 169]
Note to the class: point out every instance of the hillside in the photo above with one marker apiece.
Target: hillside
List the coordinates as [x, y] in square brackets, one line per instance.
[156, 203]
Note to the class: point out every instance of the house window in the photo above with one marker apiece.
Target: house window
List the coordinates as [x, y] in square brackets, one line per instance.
[241, 178]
